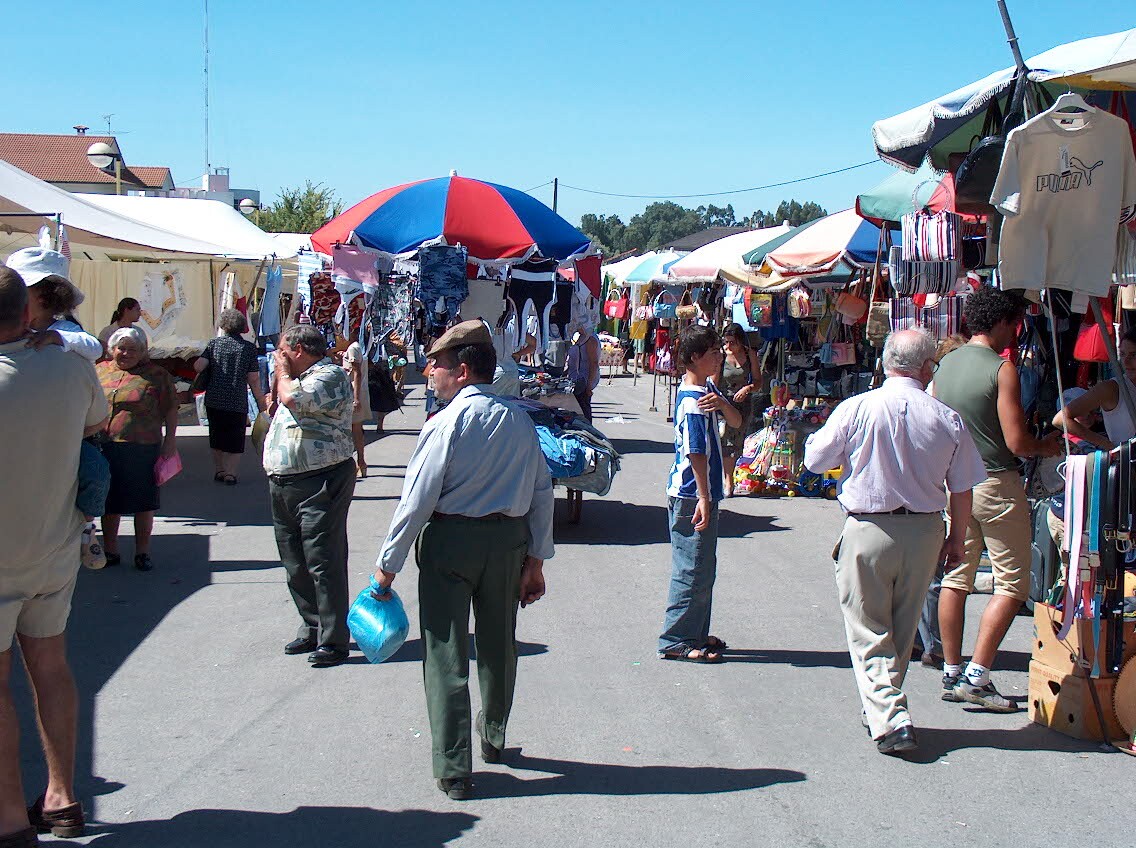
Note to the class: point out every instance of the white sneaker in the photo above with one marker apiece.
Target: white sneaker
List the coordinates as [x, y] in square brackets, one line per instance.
[91, 552]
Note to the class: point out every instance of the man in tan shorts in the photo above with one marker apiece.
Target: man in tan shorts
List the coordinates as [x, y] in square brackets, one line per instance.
[49, 400]
[983, 388]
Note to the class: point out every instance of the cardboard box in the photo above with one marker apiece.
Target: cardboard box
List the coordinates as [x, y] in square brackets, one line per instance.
[1063, 702]
[1050, 651]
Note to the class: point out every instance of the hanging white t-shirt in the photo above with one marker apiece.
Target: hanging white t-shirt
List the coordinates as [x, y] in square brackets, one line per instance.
[1064, 188]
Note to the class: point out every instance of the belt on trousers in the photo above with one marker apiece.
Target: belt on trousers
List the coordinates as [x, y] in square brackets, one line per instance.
[897, 511]
[493, 516]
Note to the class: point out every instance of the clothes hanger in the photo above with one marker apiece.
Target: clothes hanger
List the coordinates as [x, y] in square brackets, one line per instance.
[1069, 101]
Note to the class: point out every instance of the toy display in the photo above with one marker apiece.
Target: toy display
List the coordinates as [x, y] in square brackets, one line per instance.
[771, 460]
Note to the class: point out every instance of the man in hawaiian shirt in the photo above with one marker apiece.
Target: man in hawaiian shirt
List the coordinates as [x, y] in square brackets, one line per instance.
[309, 459]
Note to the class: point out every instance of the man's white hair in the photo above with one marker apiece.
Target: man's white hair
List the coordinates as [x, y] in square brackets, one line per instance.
[134, 334]
[906, 351]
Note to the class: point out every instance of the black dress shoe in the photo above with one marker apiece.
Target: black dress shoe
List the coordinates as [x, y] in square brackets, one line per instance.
[300, 646]
[489, 754]
[457, 788]
[899, 741]
[325, 657]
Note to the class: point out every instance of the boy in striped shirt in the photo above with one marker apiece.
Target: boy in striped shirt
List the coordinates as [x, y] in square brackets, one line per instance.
[694, 489]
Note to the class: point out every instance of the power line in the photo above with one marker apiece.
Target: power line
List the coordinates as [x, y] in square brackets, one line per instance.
[534, 188]
[715, 193]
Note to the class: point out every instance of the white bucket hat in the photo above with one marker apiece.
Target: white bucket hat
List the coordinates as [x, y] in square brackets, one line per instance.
[35, 264]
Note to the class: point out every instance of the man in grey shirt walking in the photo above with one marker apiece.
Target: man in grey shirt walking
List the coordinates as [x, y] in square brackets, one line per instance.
[478, 497]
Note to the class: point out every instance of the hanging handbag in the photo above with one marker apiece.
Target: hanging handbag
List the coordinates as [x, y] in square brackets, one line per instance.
[1091, 346]
[879, 323]
[931, 236]
[686, 310]
[201, 379]
[976, 174]
[759, 307]
[615, 306]
[799, 303]
[851, 306]
[666, 304]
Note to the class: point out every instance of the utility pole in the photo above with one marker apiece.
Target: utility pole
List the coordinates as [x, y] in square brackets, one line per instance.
[555, 191]
[208, 163]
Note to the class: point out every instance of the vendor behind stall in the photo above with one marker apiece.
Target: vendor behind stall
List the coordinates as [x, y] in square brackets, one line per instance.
[740, 381]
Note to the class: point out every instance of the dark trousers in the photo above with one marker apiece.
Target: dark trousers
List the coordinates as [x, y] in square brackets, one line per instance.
[309, 515]
[583, 397]
[464, 562]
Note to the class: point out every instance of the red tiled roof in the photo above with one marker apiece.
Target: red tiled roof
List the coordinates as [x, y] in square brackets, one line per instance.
[63, 159]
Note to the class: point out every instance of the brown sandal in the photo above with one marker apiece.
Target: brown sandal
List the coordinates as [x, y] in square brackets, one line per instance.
[66, 822]
[704, 656]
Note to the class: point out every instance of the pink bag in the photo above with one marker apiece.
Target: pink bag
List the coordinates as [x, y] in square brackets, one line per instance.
[166, 468]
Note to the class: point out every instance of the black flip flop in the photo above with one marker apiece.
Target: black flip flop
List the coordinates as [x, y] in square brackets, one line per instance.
[703, 658]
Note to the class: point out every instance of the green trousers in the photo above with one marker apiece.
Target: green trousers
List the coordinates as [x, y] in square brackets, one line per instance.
[464, 562]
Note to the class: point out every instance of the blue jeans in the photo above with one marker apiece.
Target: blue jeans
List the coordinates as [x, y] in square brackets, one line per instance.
[929, 620]
[94, 481]
[694, 565]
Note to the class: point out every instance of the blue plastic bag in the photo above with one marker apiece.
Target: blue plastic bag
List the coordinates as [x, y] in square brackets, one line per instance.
[378, 627]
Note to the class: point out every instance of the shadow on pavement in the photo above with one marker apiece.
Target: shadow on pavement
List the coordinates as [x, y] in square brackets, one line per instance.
[411, 650]
[937, 742]
[344, 827]
[630, 446]
[619, 523]
[797, 659]
[575, 778]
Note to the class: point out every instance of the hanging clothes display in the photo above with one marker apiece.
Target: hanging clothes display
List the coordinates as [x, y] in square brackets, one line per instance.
[307, 263]
[1067, 180]
[589, 273]
[532, 289]
[560, 315]
[388, 311]
[270, 307]
[442, 282]
[355, 264]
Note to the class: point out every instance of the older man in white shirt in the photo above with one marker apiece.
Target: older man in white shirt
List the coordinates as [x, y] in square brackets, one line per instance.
[898, 446]
[478, 491]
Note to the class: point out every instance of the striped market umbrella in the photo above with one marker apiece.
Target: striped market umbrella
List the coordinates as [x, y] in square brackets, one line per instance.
[493, 222]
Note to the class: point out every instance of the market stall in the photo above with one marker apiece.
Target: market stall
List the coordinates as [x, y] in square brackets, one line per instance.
[1052, 180]
[414, 259]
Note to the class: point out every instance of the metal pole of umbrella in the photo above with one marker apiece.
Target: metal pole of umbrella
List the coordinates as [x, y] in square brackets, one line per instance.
[1011, 36]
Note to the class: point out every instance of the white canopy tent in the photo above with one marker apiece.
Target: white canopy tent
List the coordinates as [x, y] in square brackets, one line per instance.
[176, 274]
[208, 220]
[704, 264]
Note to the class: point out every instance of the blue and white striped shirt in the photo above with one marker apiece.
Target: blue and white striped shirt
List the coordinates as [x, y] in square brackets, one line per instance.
[696, 432]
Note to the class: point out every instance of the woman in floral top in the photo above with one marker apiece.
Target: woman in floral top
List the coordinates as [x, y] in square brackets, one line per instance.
[142, 402]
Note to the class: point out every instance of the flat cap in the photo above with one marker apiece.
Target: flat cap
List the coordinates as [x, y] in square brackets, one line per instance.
[461, 335]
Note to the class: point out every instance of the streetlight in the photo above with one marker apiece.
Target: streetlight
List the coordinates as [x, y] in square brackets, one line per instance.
[248, 206]
[102, 156]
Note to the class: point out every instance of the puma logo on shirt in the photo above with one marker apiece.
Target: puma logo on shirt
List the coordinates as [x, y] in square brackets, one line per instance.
[1081, 174]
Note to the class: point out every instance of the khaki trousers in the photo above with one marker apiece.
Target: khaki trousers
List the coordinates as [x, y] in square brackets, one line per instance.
[884, 564]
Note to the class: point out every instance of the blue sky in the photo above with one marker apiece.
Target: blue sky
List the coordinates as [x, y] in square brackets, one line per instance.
[622, 96]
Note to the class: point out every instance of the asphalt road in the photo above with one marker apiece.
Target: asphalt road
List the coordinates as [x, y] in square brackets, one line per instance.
[196, 730]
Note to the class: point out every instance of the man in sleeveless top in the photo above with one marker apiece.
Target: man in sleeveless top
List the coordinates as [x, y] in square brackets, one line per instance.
[983, 388]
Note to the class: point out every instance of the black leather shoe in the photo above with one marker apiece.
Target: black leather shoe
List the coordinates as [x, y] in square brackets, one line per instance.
[489, 754]
[899, 741]
[326, 657]
[457, 788]
[300, 646]
[142, 562]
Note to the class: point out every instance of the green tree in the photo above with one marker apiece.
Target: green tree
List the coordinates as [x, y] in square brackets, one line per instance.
[300, 210]
[605, 231]
[658, 224]
[717, 216]
[793, 211]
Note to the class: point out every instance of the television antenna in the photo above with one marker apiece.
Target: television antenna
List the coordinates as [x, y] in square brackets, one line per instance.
[109, 130]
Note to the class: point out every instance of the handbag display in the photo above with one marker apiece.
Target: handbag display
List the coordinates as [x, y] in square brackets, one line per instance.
[909, 276]
[851, 306]
[666, 304]
[615, 306]
[759, 307]
[686, 310]
[931, 236]
[976, 174]
[1091, 346]
[879, 323]
[799, 302]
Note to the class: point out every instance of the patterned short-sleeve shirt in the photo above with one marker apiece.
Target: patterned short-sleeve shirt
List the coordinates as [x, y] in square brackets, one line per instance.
[140, 399]
[231, 360]
[318, 433]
